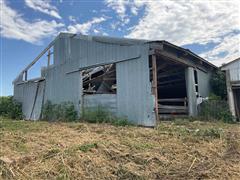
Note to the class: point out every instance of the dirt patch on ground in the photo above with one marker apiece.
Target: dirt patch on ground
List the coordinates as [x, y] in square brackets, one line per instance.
[192, 150]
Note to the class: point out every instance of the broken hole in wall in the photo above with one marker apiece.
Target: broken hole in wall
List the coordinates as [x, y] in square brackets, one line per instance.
[100, 80]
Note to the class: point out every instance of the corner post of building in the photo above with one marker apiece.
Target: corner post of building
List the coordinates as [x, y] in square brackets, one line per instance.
[230, 94]
[191, 92]
[154, 84]
[49, 58]
[25, 75]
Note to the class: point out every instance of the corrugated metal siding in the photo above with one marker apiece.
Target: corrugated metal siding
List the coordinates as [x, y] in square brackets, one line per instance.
[204, 83]
[85, 53]
[134, 98]
[25, 93]
[107, 101]
[62, 87]
[234, 68]
[18, 92]
[191, 92]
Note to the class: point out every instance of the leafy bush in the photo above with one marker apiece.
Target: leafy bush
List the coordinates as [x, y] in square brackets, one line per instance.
[59, 112]
[218, 84]
[10, 108]
[213, 96]
[215, 110]
[101, 115]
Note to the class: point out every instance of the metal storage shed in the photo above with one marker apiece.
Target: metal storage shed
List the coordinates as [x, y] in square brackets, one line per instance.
[141, 80]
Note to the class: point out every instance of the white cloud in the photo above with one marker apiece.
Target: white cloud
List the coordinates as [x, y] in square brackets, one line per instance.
[72, 19]
[119, 6]
[188, 22]
[14, 26]
[43, 6]
[224, 52]
[121, 9]
[84, 28]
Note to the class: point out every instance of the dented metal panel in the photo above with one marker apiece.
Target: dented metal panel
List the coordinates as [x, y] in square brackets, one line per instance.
[191, 91]
[134, 98]
[37, 107]
[30, 94]
[204, 83]
[84, 53]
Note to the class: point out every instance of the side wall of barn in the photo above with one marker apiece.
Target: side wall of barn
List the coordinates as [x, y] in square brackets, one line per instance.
[133, 99]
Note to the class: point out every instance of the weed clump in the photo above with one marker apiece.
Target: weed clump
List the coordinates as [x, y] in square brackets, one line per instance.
[210, 133]
[87, 147]
[97, 115]
[101, 115]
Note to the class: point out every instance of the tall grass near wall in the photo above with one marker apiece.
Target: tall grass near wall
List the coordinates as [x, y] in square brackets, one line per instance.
[100, 114]
[59, 112]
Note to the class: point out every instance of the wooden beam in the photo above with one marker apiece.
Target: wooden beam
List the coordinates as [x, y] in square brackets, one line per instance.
[171, 81]
[154, 84]
[179, 60]
[170, 73]
[173, 100]
[171, 85]
[36, 59]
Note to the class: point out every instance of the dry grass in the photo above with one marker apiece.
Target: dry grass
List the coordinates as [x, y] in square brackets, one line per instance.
[181, 150]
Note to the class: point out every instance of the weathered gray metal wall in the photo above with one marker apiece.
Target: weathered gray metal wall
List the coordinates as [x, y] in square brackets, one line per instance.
[134, 98]
[30, 94]
[234, 69]
[62, 87]
[204, 83]
[107, 101]
[63, 80]
[83, 53]
[191, 92]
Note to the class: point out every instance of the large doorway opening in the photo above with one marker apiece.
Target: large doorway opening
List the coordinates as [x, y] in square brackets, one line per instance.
[171, 87]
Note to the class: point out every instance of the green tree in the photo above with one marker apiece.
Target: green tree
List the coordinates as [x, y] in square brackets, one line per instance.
[218, 84]
[10, 108]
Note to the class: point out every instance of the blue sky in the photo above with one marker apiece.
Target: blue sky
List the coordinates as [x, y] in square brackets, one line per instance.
[211, 29]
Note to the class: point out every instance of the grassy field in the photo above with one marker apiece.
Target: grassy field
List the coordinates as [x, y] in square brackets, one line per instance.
[173, 150]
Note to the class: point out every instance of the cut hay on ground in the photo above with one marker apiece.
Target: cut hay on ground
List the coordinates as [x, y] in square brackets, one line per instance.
[190, 150]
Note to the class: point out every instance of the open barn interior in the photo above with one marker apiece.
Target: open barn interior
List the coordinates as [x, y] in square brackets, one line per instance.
[171, 87]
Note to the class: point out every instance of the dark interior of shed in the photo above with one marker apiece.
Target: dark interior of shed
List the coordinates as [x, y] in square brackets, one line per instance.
[171, 86]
